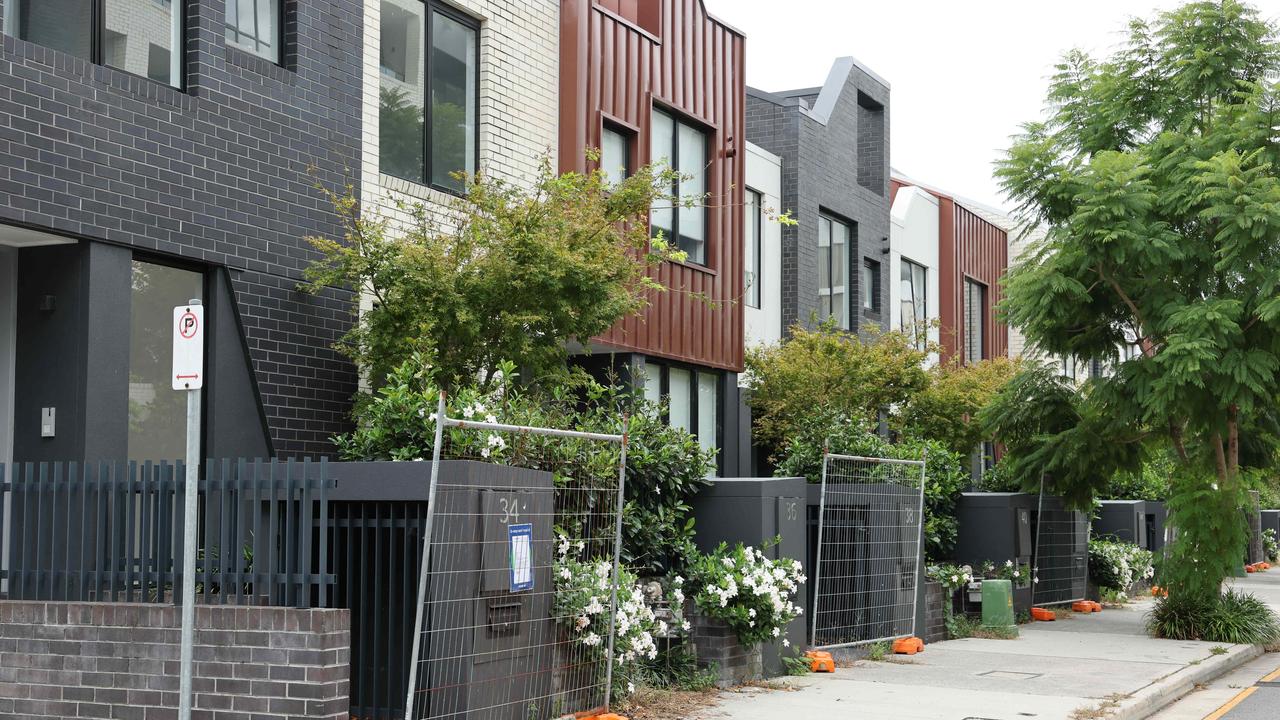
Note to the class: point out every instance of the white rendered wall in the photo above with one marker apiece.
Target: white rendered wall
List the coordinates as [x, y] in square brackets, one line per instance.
[913, 234]
[764, 175]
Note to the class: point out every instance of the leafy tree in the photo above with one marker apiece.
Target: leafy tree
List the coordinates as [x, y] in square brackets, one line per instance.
[508, 274]
[1155, 175]
[818, 379]
[946, 409]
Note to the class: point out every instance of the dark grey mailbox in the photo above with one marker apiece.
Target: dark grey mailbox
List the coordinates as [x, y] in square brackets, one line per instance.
[997, 527]
[1140, 522]
[751, 511]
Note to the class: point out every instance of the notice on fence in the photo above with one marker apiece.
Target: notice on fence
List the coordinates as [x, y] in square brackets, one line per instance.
[521, 537]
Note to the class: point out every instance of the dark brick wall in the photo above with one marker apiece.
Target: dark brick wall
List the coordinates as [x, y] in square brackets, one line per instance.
[716, 646]
[222, 173]
[821, 168]
[934, 628]
[117, 660]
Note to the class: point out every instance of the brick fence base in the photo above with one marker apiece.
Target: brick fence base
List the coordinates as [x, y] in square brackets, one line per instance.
[118, 660]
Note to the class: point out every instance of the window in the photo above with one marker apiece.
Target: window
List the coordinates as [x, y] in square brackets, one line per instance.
[870, 285]
[427, 119]
[693, 399]
[975, 318]
[833, 240]
[684, 147]
[752, 250]
[137, 36]
[915, 305]
[615, 154]
[157, 413]
[255, 25]
[1069, 367]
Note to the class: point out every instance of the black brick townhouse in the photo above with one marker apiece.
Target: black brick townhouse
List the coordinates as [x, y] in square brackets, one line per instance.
[153, 151]
[834, 145]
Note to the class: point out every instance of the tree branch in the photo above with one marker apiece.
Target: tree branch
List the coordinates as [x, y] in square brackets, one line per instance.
[1233, 440]
[1175, 433]
[1219, 456]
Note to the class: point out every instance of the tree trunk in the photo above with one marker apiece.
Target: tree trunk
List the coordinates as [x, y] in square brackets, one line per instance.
[1220, 460]
[1253, 510]
[1233, 441]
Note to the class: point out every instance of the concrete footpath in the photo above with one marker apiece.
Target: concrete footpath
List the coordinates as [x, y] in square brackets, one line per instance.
[1085, 667]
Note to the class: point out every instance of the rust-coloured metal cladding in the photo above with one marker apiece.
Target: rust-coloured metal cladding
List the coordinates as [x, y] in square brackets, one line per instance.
[969, 247]
[618, 58]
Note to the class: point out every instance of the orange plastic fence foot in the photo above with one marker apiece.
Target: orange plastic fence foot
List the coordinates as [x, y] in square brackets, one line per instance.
[1083, 606]
[1097, 606]
[1043, 614]
[908, 646]
[820, 661]
[606, 716]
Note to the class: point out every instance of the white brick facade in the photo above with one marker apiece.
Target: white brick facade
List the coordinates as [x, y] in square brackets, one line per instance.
[518, 107]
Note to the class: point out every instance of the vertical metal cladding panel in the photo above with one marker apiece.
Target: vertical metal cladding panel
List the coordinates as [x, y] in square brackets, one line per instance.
[969, 247]
[618, 58]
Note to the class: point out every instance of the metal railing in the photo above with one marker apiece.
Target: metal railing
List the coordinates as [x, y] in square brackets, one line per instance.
[1060, 566]
[114, 532]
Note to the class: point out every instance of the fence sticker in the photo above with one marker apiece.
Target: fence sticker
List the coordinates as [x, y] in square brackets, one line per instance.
[521, 537]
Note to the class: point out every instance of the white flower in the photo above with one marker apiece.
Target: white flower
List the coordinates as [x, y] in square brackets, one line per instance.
[678, 594]
[594, 607]
[484, 452]
[678, 580]
[490, 419]
[1017, 574]
[496, 441]
[468, 412]
[1008, 563]
[662, 627]
[422, 412]
[728, 562]
[582, 621]
[631, 688]
[565, 573]
[776, 631]
[751, 623]
[955, 579]
[684, 625]
[591, 640]
[786, 643]
[479, 407]
[751, 612]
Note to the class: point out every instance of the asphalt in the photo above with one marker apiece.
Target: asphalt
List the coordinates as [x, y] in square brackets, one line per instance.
[1101, 665]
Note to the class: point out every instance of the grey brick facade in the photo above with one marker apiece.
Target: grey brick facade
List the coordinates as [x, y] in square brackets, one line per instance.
[834, 144]
[222, 174]
[118, 660]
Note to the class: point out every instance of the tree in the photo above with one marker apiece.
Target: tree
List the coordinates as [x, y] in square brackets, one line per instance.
[1155, 176]
[815, 378]
[511, 274]
[946, 409]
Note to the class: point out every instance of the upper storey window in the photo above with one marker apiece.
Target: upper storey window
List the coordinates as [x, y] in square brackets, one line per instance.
[428, 119]
[137, 36]
[684, 147]
[254, 25]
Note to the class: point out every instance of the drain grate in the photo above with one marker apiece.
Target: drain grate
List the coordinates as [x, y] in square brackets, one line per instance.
[1009, 675]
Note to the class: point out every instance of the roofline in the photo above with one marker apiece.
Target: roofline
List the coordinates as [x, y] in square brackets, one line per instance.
[828, 94]
[903, 178]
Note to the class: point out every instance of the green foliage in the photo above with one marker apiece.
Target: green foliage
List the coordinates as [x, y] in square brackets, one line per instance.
[820, 378]
[504, 273]
[1154, 177]
[665, 466]
[1211, 538]
[1000, 479]
[1271, 545]
[877, 651]
[1232, 617]
[1117, 566]
[1150, 482]
[946, 408]
[796, 663]
[961, 626]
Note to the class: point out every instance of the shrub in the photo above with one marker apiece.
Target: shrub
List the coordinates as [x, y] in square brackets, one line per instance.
[1117, 566]
[1232, 617]
[1270, 544]
[665, 466]
[751, 593]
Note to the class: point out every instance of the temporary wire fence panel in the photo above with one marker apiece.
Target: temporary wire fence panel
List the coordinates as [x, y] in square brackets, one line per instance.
[114, 532]
[1060, 567]
[867, 565]
[490, 642]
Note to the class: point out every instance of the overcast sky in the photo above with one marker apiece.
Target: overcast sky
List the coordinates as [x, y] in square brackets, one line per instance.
[964, 74]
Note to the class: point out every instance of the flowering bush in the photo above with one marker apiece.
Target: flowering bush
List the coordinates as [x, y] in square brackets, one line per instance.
[750, 592]
[1270, 544]
[1014, 573]
[582, 608]
[951, 577]
[1118, 565]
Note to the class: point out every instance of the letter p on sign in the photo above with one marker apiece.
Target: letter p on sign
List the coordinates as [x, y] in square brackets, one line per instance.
[188, 347]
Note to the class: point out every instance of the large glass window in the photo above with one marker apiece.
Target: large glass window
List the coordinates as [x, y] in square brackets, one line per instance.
[427, 120]
[833, 262]
[157, 412]
[254, 25]
[915, 301]
[137, 36]
[693, 399]
[684, 147]
[975, 320]
[752, 248]
[615, 154]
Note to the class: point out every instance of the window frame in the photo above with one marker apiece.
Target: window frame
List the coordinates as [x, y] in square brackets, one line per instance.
[97, 37]
[876, 307]
[475, 25]
[969, 285]
[280, 34]
[824, 284]
[920, 310]
[755, 223]
[628, 133]
[679, 119]
[663, 368]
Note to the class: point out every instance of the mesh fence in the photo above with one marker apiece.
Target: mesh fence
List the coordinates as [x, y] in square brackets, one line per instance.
[535, 508]
[868, 556]
[1060, 567]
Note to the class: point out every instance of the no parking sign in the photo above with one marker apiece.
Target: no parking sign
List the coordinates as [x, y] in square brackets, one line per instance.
[188, 347]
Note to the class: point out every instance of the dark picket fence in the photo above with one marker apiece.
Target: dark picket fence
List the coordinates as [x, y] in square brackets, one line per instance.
[113, 532]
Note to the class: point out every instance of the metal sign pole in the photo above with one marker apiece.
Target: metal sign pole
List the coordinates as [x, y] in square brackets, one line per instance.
[188, 376]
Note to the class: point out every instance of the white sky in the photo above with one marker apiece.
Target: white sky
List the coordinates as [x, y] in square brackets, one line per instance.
[964, 75]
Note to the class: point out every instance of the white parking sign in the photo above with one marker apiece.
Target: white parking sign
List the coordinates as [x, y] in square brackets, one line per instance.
[188, 347]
